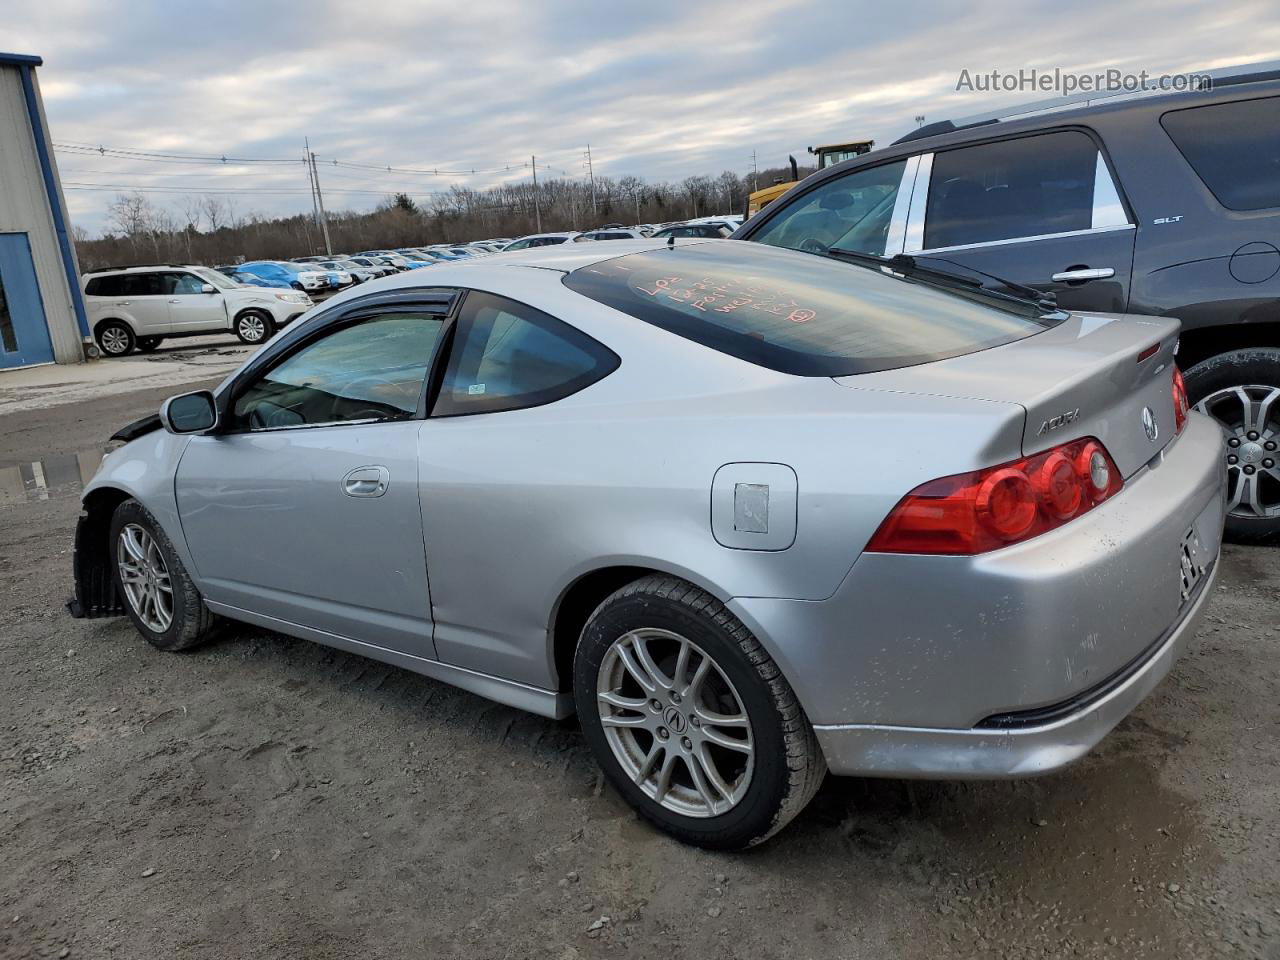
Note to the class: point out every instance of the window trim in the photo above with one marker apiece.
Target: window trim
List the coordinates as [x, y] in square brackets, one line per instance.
[1103, 163]
[355, 314]
[607, 362]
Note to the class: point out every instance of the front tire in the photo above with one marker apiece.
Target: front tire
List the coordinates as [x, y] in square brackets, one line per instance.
[115, 338]
[689, 717]
[254, 328]
[1241, 390]
[158, 594]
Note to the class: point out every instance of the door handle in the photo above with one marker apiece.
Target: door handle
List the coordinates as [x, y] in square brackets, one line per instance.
[126, 303]
[1087, 273]
[175, 301]
[371, 481]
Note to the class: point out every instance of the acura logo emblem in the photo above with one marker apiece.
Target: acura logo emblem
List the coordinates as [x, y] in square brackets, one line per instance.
[674, 719]
[1149, 424]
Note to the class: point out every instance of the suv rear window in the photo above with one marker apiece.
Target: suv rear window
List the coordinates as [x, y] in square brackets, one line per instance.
[1234, 148]
[797, 313]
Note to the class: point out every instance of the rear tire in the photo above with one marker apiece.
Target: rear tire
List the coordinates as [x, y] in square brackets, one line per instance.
[254, 328]
[145, 568]
[1235, 387]
[115, 338]
[714, 797]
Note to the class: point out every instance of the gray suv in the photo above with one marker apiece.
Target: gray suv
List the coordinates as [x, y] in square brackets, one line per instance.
[1146, 204]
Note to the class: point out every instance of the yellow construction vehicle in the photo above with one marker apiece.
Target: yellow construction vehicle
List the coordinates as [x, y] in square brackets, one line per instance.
[828, 155]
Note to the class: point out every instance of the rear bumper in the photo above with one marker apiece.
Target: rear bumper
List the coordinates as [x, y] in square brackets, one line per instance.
[1015, 661]
[984, 753]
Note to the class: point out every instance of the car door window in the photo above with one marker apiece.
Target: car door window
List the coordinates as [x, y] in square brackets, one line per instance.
[182, 284]
[852, 212]
[1234, 148]
[509, 355]
[1010, 189]
[372, 370]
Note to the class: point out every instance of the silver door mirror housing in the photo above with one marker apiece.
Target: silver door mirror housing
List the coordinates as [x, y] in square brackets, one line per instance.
[208, 288]
[189, 413]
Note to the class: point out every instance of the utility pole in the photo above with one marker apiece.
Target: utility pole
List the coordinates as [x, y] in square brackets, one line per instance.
[537, 205]
[592, 175]
[755, 175]
[311, 182]
[324, 220]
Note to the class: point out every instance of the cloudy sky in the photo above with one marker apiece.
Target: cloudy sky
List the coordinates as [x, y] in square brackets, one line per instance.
[660, 89]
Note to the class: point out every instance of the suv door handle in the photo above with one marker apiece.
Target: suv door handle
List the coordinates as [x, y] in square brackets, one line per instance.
[175, 300]
[371, 481]
[1088, 273]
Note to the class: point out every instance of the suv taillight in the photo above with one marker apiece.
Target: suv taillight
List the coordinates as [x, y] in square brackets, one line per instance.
[971, 513]
[1180, 404]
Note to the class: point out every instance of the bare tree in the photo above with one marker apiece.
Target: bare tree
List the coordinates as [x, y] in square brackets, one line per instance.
[131, 213]
[216, 212]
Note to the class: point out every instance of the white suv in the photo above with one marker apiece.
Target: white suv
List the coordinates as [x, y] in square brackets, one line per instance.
[140, 306]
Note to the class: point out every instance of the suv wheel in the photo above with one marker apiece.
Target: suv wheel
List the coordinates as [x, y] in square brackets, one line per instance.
[253, 327]
[1241, 390]
[689, 717]
[115, 338]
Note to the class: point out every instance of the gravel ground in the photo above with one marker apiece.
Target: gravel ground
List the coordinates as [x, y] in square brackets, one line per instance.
[266, 797]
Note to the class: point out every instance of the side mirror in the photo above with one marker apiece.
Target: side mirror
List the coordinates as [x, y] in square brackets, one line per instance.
[189, 413]
[208, 288]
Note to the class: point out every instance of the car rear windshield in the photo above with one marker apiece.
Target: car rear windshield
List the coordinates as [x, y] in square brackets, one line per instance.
[797, 313]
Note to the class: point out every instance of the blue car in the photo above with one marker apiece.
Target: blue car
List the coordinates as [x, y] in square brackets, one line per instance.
[250, 280]
[295, 275]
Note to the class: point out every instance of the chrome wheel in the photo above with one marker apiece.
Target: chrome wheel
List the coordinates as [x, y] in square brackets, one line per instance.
[1250, 416]
[252, 329]
[145, 577]
[675, 723]
[114, 340]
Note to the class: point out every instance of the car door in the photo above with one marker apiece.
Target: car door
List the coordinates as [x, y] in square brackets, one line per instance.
[144, 303]
[190, 307]
[304, 509]
[1041, 210]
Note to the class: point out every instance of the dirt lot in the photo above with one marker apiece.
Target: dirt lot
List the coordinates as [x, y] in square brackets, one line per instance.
[265, 797]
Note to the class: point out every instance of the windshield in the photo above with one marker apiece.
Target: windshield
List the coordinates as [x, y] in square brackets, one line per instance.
[798, 314]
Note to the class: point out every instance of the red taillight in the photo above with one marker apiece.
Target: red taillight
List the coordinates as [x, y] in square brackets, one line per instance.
[976, 512]
[1180, 404]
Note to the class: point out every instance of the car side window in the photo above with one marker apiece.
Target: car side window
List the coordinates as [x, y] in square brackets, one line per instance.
[852, 212]
[182, 284]
[508, 355]
[371, 370]
[141, 285]
[1234, 148]
[1025, 187]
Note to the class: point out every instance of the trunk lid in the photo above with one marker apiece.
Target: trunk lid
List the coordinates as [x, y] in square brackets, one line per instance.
[1081, 378]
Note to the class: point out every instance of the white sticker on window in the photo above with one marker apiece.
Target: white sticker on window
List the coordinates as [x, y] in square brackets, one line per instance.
[475, 388]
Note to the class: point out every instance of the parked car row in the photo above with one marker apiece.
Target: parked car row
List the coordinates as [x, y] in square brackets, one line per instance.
[703, 227]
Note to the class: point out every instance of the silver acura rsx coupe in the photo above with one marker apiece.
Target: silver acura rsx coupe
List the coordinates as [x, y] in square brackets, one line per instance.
[749, 513]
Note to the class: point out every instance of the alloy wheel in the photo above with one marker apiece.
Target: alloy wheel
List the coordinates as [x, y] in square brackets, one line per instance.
[1250, 417]
[675, 723]
[145, 577]
[252, 328]
[114, 340]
